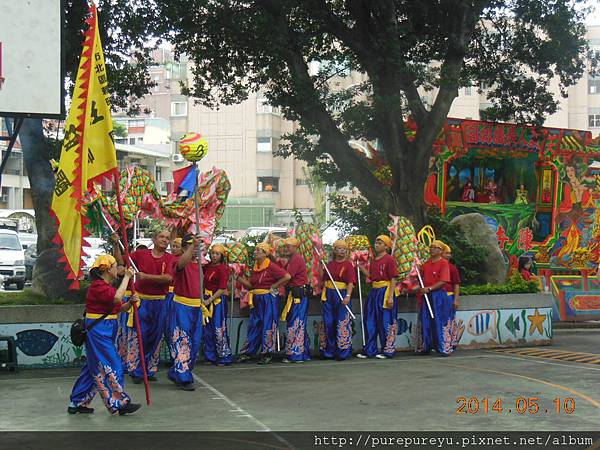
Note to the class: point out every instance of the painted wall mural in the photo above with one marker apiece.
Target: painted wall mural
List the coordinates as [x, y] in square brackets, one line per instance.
[576, 298]
[48, 345]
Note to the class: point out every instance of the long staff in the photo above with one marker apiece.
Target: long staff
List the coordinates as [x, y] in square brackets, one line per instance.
[132, 286]
[197, 213]
[335, 285]
[426, 296]
[360, 298]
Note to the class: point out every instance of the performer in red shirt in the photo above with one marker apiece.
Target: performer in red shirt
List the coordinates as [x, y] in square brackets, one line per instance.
[435, 333]
[215, 337]
[152, 286]
[264, 283]
[186, 315]
[381, 309]
[103, 370]
[336, 334]
[453, 291]
[295, 312]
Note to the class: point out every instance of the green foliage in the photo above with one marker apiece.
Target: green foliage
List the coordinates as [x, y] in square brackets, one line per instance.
[354, 71]
[28, 297]
[515, 284]
[120, 129]
[468, 256]
[358, 216]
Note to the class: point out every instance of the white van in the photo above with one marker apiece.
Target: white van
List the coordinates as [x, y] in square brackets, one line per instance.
[12, 259]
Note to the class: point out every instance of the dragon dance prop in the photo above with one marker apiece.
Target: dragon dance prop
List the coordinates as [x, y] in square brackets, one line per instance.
[361, 252]
[311, 249]
[141, 198]
[239, 264]
[406, 248]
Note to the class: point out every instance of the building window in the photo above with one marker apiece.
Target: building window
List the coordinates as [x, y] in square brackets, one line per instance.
[268, 184]
[178, 109]
[264, 144]
[132, 141]
[468, 90]
[301, 182]
[158, 173]
[594, 120]
[156, 83]
[263, 107]
[594, 86]
[136, 123]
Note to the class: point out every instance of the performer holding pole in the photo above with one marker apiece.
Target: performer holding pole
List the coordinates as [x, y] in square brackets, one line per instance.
[264, 285]
[187, 314]
[103, 370]
[381, 309]
[337, 327]
[295, 312]
[434, 333]
[216, 337]
[152, 284]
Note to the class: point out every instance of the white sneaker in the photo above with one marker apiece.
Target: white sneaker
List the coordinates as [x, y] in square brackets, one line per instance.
[361, 356]
[380, 356]
[286, 361]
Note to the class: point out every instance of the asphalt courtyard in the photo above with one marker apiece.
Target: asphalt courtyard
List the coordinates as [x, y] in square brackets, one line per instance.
[546, 388]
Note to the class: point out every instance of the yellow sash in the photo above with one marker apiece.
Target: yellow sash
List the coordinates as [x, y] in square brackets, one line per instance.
[216, 301]
[254, 292]
[288, 305]
[195, 303]
[329, 285]
[142, 297]
[97, 316]
[387, 285]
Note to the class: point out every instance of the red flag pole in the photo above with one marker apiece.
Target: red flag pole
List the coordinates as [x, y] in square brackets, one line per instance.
[135, 308]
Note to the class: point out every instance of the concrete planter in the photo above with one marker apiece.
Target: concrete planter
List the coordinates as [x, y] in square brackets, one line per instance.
[484, 321]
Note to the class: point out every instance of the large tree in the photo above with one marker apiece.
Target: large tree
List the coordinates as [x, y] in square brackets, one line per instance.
[401, 47]
[124, 37]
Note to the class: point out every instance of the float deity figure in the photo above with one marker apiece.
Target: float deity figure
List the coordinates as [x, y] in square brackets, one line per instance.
[491, 188]
[522, 195]
[575, 209]
[468, 193]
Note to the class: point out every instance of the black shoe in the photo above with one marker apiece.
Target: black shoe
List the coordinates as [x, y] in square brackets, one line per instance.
[267, 359]
[129, 408]
[186, 386]
[152, 378]
[136, 380]
[243, 358]
[80, 410]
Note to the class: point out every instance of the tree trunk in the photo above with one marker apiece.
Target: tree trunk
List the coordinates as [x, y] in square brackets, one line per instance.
[49, 277]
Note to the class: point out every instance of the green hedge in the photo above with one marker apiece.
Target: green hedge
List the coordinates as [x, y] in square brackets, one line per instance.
[514, 285]
[27, 297]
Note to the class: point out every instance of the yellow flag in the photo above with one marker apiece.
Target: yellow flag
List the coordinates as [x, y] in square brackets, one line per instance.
[88, 150]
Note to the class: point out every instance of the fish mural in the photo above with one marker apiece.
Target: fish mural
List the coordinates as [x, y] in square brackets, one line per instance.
[35, 342]
[404, 326]
[513, 324]
[483, 322]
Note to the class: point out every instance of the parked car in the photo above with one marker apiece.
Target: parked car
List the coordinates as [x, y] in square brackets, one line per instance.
[30, 258]
[12, 259]
[27, 239]
[275, 231]
[223, 239]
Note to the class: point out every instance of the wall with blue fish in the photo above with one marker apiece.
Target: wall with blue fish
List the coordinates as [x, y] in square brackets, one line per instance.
[44, 344]
[49, 344]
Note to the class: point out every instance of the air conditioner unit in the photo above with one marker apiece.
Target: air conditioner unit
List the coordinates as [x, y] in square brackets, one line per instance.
[177, 158]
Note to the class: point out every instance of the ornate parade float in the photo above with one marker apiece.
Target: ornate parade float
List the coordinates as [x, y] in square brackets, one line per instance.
[537, 188]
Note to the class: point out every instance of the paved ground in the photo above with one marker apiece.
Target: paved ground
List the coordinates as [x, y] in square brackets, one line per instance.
[406, 393]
